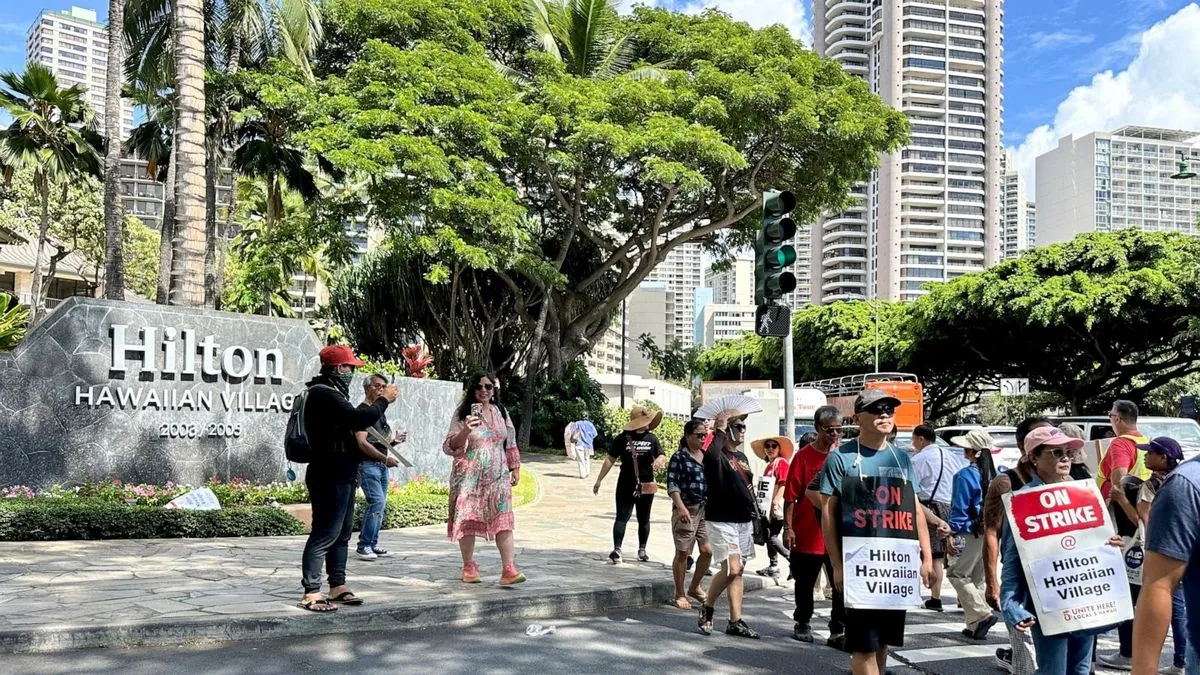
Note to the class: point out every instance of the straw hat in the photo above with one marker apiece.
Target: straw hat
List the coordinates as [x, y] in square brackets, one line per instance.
[642, 417]
[786, 449]
[975, 439]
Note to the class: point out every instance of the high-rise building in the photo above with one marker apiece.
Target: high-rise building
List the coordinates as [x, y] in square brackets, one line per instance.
[1015, 218]
[647, 312]
[732, 284]
[681, 272]
[1108, 181]
[74, 46]
[142, 195]
[727, 322]
[931, 211]
[802, 268]
[1031, 223]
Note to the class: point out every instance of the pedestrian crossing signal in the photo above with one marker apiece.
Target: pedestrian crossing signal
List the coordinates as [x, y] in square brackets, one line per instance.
[773, 321]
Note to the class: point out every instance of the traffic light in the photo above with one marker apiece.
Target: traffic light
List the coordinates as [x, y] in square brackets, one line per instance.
[773, 258]
[773, 252]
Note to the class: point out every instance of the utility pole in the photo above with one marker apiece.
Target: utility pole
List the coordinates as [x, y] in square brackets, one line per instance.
[789, 388]
[623, 328]
[875, 305]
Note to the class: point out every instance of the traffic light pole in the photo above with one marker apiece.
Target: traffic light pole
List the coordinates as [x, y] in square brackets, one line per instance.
[789, 389]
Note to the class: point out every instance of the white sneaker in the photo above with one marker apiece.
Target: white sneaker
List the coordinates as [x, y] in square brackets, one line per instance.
[1171, 670]
[365, 554]
[1115, 661]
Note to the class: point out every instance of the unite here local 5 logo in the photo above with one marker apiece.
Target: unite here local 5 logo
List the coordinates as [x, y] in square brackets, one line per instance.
[1057, 510]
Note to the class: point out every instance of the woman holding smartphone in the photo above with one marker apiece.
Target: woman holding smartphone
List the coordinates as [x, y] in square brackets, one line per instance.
[487, 465]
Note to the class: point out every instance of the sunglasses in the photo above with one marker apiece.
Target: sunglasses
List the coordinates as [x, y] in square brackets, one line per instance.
[832, 431]
[738, 427]
[700, 435]
[483, 387]
[880, 409]
[771, 445]
[1058, 453]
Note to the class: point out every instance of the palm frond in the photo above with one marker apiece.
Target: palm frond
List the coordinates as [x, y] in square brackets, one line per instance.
[544, 18]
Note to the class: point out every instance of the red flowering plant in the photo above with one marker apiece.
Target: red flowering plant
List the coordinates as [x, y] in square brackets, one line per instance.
[417, 360]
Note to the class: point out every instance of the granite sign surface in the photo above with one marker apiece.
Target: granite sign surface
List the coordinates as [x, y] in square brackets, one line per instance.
[105, 390]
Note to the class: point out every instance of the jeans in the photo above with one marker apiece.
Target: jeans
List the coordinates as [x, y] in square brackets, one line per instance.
[775, 542]
[1193, 659]
[806, 569]
[626, 502]
[332, 525]
[1125, 628]
[1179, 630]
[374, 479]
[1069, 654]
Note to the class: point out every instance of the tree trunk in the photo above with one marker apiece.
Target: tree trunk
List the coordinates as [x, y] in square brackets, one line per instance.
[114, 213]
[36, 304]
[166, 231]
[211, 174]
[533, 369]
[187, 268]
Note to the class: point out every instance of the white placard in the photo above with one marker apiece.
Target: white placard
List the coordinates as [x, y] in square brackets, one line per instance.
[196, 500]
[881, 572]
[764, 489]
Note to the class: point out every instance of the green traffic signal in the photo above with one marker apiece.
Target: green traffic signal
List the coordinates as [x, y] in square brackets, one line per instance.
[774, 253]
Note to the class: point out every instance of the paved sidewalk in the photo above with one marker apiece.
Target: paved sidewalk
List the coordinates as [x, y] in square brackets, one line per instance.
[80, 594]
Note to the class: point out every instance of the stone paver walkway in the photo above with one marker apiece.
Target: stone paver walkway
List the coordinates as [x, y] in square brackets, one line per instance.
[56, 595]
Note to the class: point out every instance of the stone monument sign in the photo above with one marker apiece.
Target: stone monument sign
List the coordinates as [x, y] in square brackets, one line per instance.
[105, 390]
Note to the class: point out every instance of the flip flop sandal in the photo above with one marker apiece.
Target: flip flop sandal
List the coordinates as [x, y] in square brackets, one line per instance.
[348, 598]
[320, 606]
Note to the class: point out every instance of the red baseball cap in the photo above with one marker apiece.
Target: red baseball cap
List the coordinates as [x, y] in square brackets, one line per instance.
[339, 355]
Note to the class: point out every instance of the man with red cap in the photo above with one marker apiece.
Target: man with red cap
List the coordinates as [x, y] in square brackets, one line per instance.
[330, 422]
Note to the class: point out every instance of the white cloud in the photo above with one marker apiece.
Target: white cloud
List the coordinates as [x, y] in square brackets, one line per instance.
[1160, 88]
[1059, 39]
[757, 13]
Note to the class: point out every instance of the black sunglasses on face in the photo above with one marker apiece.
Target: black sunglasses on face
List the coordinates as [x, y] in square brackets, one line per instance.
[771, 445]
[738, 427]
[880, 409]
[832, 431]
[483, 387]
[1058, 453]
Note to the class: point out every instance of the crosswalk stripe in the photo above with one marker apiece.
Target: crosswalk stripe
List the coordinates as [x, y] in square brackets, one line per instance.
[932, 654]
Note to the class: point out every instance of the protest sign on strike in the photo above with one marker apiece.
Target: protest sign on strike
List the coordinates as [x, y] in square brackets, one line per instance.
[881, 553]
[764, 489]
[1076, 579]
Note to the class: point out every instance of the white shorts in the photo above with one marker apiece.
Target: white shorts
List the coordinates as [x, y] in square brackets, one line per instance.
[730, 539]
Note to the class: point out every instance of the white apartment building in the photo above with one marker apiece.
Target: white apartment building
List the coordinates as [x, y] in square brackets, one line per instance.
[74, 46]
[802, 267]
[648, 310]
[1016, 211]
[931, 212]
[733, 285]
[1108, 181]
[727, 322]
[681, 272]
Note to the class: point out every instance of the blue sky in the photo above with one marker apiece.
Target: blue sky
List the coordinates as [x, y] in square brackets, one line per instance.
[1071, 66]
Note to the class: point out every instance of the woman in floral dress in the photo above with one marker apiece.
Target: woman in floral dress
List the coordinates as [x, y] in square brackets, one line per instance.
[486, 466]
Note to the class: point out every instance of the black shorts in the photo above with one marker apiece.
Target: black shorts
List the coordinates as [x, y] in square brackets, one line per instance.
[869, 630]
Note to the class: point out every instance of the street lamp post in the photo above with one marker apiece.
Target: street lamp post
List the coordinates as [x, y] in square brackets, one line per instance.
[1184, 173]
[623, 308]
[875, 306]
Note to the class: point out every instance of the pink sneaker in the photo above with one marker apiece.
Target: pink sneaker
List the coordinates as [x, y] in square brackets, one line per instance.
[511, 576]
[470, 573]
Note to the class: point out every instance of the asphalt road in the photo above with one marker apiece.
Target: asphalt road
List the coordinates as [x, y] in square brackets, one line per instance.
[656, 640]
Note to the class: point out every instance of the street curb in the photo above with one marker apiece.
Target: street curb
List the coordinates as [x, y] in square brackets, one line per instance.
[518, 606]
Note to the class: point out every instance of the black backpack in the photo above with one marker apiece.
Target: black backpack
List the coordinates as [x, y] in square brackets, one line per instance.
[296, 447]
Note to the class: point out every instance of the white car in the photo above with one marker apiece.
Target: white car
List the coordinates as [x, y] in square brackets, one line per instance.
[1005, 453]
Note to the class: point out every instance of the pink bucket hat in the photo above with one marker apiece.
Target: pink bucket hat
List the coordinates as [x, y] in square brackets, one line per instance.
[1050, 436]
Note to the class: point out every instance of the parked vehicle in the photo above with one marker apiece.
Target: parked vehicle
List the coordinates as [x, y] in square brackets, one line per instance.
[1185, 431]
[841, 392]
[805, 402]
[1005, 454]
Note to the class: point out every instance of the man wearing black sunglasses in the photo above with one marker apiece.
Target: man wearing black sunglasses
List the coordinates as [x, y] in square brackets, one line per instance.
[881, 526]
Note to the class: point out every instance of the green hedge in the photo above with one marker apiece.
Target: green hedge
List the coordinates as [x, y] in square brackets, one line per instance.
[53, 521]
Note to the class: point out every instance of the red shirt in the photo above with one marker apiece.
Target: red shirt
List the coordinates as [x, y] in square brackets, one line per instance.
[778, 469]
[1122, 454]
[806, 464]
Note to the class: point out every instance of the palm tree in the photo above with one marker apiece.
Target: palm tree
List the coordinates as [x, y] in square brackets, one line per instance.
[52, 134]
[586, 35]
[187, 265]
[153, 141]
[114, 213]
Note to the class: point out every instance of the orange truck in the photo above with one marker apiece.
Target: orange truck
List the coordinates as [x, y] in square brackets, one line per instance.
[841, 392]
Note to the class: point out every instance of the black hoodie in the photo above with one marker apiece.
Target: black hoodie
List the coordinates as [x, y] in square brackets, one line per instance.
[331, 420]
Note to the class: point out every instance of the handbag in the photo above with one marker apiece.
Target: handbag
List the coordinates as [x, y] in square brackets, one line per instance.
[647, 488]
[762, 527]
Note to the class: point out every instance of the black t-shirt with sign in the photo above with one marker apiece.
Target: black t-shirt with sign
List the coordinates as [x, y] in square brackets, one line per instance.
[635, 450]
[728, 475]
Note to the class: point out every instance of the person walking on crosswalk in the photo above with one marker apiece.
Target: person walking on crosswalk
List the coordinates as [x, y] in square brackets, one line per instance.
[966, 523]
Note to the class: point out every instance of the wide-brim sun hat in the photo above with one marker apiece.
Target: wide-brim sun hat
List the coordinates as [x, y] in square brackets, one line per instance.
[786, 447]
[642, 417]
[975, 439]
[1051, 436]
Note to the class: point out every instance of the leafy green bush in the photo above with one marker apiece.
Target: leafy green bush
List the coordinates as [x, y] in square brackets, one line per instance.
[426, 504]
[47, 520]
[669, 432]
[14, 319]
[558, 403]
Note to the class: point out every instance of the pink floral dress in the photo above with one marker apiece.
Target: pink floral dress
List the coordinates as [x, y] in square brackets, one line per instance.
[481, 503]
